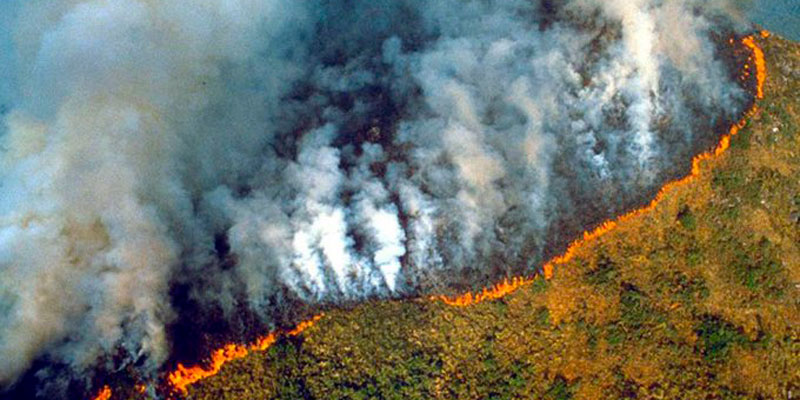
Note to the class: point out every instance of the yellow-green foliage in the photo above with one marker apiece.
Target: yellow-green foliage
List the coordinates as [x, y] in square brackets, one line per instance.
[699, 299]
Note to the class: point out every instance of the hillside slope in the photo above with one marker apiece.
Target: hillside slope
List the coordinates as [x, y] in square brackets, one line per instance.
[698, 298]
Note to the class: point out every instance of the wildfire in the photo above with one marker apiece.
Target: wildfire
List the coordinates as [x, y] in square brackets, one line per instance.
[491, 293]
[184, 376]
[104, 394]
[501, 289]
[758, 60]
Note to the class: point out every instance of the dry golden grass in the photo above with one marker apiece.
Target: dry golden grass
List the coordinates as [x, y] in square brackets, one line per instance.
[698, 298]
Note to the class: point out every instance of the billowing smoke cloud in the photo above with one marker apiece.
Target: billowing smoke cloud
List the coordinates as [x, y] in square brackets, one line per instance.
[264, 152]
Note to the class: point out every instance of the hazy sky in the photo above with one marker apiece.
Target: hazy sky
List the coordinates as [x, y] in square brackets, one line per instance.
[780, 16]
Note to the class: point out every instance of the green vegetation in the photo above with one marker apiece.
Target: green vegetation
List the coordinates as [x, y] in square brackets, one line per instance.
[717, 338]
[698, 299]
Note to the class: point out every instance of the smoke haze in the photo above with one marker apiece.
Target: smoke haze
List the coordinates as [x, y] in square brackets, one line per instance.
[258, 154]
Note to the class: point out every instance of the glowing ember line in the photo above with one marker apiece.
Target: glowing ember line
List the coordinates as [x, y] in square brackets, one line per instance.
[184, 376]
[491, 293]
[758, 59]
[506, 287]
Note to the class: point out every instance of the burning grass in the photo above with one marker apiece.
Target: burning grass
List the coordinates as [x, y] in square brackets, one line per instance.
[689, 297]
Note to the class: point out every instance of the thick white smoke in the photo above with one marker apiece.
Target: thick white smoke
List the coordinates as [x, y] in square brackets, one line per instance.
[259, 152]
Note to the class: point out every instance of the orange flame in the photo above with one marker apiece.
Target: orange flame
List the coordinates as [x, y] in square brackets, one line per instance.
[104, 394]
[491, 293]
[184, 376]
[501, 289]
[758, 59]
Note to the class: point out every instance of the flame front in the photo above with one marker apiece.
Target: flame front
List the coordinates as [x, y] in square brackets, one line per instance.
[506, 287]
[759, 61]
[491, 293]
[184, 376]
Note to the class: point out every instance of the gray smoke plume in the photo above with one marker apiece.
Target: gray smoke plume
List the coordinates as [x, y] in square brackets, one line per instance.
[260, 152]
